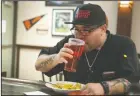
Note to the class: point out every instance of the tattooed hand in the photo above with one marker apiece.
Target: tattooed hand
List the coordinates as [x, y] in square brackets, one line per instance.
[64, 53]
[118, 86]
[46, 62]
[93, 89]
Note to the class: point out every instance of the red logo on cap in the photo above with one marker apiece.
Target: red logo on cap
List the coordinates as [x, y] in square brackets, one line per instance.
[83, 14]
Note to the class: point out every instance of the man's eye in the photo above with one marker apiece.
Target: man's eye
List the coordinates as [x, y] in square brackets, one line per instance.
[76, 29]
[86, 30]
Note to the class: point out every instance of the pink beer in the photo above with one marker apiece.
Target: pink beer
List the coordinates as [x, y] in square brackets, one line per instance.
[77, 46]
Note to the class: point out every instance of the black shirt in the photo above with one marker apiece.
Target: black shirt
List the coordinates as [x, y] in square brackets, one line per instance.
[118, 56]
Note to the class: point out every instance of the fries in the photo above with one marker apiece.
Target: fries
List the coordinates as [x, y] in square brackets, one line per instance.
[68, 86]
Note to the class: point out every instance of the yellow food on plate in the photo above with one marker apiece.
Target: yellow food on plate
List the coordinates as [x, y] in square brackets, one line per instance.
[68, 86]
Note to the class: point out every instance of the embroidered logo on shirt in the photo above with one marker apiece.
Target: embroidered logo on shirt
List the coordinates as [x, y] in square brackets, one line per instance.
[82, 14]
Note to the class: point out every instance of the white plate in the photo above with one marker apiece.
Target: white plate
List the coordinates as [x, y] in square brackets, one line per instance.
[63, 90]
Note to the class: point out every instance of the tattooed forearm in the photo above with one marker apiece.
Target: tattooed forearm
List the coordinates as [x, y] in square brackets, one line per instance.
[48, 61]
[45, 63]
[118, 86]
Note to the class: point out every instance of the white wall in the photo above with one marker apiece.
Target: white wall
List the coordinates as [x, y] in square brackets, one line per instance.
[30, 9]
[135, 30]
[27, 65]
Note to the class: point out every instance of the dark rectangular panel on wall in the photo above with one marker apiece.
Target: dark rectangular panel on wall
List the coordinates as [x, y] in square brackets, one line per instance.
[3, 74]
[124, 20]
[139, 56]
[63, 2]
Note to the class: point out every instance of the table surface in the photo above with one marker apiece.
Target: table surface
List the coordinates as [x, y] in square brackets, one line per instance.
[12, 86]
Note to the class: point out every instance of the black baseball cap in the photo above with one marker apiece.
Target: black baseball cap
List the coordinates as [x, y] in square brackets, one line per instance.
[88, 15]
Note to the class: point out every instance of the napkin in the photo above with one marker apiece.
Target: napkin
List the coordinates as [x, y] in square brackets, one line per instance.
[36, 93]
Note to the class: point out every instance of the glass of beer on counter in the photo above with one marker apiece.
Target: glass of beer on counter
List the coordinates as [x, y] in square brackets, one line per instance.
[77, 45]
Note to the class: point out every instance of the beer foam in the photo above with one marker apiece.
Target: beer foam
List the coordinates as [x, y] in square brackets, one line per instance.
[75, 41]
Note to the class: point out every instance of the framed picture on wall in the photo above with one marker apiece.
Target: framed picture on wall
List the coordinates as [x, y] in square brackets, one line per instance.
[60, 16]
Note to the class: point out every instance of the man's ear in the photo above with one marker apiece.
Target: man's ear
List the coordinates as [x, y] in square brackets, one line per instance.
[104, 27]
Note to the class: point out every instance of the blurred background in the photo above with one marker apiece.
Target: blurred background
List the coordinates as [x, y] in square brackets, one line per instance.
[28, 26]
